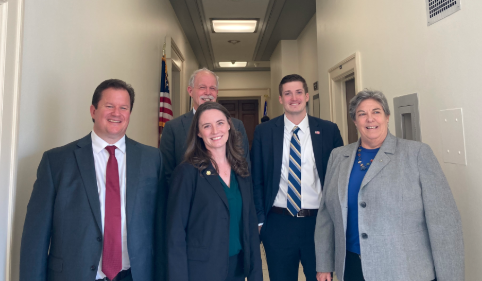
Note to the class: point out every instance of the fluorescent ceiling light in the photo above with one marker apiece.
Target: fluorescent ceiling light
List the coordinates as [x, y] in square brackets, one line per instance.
[235, 64]
[234, 26]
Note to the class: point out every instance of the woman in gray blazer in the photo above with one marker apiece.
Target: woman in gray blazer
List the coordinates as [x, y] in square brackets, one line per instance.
[387, 212]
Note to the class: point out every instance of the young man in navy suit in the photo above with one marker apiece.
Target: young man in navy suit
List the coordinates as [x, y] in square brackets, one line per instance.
[91, 214]
[289, 157]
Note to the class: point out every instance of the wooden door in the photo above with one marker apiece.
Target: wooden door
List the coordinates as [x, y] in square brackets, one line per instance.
[246, 111]
[350, 93]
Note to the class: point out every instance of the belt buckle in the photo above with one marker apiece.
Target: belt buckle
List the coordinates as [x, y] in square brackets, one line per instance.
[298, 214]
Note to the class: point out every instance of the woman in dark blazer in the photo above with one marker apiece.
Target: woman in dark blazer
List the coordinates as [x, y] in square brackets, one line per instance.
[211, 220]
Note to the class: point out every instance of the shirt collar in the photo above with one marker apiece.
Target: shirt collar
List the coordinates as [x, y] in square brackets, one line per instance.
[193, 111]
[98, 144]
[304, 125]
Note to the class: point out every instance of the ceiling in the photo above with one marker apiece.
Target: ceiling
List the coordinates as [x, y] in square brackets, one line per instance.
[278, 20]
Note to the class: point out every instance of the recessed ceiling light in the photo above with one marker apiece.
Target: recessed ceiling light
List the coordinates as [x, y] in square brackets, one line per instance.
[234, 26]
[233, 63]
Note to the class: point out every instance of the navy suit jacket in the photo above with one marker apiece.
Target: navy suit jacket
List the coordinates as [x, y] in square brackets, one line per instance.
[62, 237]
[267, 153]
[173, 142]
[198, 227]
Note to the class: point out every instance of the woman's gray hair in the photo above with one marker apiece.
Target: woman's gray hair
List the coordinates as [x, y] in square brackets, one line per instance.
[193, 76]
[365, 95]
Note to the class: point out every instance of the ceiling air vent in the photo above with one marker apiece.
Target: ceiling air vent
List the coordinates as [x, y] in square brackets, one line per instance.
[439, 9]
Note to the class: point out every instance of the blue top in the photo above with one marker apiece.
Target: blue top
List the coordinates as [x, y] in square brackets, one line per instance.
[235, 203]
[356, 178]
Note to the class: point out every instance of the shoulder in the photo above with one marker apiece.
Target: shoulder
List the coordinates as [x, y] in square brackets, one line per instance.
[344, 150]
[269, 124]
[70, 147]
[176, 121]
[185, 169]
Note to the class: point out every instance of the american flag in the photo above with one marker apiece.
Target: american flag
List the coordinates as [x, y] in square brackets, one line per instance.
[165, 108]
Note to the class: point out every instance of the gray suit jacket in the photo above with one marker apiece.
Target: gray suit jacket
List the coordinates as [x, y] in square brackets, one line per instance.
[413, 225]
[173, 142]
[62, 235]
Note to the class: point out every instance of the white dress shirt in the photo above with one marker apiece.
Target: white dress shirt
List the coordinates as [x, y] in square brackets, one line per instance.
[310, 181]
[101, 156]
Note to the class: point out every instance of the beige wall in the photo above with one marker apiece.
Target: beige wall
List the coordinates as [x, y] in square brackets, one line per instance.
[295, 56]
[244, 79]
[401, 55]
[69, 47]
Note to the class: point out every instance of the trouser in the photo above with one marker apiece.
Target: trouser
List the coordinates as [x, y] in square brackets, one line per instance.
[353, 268]
[288, 240]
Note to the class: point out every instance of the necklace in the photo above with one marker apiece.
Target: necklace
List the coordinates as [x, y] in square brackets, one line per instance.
[363, 167]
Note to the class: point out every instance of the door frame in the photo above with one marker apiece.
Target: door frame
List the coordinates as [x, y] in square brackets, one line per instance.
[261, 94]
[344, 70]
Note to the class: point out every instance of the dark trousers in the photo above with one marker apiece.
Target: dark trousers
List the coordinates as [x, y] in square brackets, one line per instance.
[236, 268]
[353, 268]
[287, 241]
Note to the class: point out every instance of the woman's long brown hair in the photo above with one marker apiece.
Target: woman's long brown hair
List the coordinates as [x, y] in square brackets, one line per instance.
[197, 154]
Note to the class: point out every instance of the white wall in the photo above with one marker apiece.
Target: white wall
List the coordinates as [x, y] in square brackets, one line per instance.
[69, 47]
[244, 79]
[308, 57]
[401, 55]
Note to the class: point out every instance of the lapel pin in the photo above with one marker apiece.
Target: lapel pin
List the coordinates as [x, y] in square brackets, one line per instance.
[317, 132]
[208, 173]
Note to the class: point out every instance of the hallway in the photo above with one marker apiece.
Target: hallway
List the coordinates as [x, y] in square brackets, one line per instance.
[54, 53]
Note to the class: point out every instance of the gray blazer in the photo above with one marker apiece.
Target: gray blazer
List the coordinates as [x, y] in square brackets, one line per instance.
[62, 234]
[174, 137]
[411, 219]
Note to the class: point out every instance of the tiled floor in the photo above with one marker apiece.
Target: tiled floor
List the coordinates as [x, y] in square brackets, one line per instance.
[301, 275]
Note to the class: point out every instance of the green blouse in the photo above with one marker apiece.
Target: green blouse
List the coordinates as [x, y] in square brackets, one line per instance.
[235, 214]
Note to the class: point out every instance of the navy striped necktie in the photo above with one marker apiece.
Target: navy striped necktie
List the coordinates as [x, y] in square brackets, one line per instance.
[294, 176]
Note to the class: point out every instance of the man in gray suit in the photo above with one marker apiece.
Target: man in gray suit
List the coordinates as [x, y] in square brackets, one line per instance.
[92, 209]
[203, 86]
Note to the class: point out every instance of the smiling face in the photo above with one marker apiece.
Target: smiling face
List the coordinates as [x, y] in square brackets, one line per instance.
[111, 115]
[213, 129]
[372, 123]
[294, 99]
[205, 89]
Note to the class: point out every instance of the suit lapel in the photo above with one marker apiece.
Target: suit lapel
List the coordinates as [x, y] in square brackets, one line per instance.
[243, 185]
[85, 161]
[344, 172]
[316, 134]
[212, 177]
[133, 159]
[278, 135]
[186, 122]
[381, 159]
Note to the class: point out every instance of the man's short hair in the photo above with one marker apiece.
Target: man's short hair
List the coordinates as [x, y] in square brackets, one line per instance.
[115, 84]
[112, 83]
[292, 78]
[193, 76]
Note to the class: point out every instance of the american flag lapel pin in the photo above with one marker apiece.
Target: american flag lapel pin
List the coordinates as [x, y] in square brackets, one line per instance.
[317, 132]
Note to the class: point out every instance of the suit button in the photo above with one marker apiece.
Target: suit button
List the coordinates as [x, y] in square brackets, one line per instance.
[363, 204]
[364, 235]
[99, 239]
[92, 267]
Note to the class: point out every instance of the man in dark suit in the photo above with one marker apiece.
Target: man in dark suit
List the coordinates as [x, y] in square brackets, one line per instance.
[289, 157]
[203, 86]
[92, 209]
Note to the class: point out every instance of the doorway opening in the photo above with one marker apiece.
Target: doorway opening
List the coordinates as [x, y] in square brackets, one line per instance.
[245, 110]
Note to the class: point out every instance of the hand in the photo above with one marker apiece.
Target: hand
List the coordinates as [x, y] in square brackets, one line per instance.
[259, 228]
[323, 276]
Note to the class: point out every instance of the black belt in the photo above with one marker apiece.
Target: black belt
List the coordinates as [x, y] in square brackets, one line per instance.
[302, 213]
[121, 275]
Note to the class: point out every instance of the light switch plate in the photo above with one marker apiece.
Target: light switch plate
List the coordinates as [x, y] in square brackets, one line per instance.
[453, 137]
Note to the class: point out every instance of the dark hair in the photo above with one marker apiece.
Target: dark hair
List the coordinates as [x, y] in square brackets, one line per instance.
[197, 154]
[292, 78]
[264, 119]
[112, 83]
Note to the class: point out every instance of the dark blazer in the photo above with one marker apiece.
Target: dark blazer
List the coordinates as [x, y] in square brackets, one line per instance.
[62, 237]
[198, 227]
[267, 154]
[173, 142]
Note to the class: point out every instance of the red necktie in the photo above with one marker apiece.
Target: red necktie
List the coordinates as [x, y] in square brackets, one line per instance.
[112, 252]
